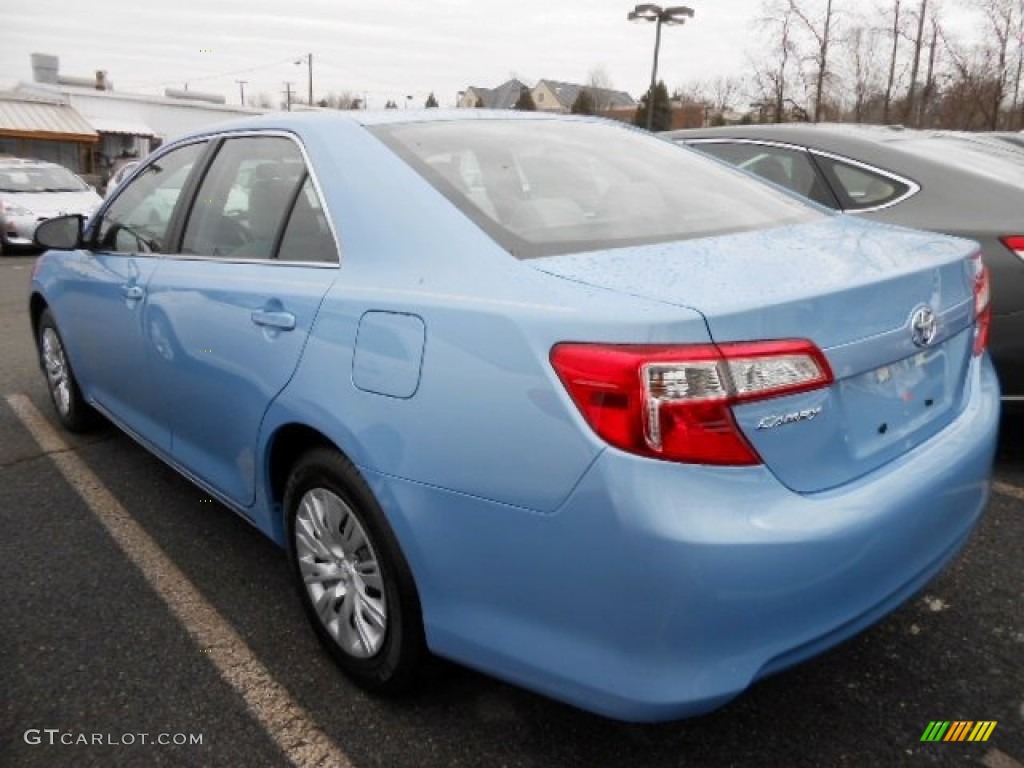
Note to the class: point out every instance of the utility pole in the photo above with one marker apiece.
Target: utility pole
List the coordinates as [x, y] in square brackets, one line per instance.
[241, 90]
[309, 63]
[288, 95]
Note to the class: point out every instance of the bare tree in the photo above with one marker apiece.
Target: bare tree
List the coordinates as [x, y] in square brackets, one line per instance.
[599, 87]
[982, 72]
[1002, 17]
[860, 44]
[891, 82]
[772, 75]
[261, 101]
[821, 30]
[908, 107]
[929, 79]
[343, 100]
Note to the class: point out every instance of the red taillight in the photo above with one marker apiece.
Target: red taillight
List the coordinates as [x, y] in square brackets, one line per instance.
[674, 402]
[1015, 243]
[982, 301]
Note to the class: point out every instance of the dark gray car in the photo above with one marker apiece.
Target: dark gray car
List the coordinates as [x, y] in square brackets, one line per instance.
[911, 178]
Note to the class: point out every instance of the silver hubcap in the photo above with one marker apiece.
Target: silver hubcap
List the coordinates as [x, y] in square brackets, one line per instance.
[56, 366]
[341, 573]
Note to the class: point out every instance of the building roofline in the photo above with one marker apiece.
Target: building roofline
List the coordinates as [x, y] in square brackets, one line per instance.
[77, 90]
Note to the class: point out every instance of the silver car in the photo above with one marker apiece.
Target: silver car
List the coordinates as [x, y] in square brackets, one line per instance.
[32, 191]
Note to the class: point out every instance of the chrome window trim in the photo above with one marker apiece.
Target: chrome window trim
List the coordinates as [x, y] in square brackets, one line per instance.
[257, 133]
[912, 186]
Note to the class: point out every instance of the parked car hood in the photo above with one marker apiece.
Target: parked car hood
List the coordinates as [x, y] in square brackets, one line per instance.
[49, 204]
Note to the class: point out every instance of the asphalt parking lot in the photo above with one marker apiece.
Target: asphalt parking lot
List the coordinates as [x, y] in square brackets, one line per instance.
[133, 605]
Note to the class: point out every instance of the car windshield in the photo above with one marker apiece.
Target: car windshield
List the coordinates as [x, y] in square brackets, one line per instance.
[39, 178]
[548, 187]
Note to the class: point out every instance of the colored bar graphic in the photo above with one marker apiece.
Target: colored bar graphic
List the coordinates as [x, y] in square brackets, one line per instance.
[958, 730]
[982, 730]
[935, 730]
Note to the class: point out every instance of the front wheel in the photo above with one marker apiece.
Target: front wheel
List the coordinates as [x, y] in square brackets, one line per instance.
[353, 581]
[74, 413]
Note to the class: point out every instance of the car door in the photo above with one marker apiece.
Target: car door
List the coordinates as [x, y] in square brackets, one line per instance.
[108, 295]
[231, 312]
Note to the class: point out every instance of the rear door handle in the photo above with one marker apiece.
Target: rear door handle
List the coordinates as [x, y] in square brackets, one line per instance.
[282, 321]
[133, 292]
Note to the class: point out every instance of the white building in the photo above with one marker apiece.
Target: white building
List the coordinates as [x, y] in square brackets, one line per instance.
[128, 124]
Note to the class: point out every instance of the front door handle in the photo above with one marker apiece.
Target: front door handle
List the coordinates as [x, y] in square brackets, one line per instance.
[133, 292]
[282, 321]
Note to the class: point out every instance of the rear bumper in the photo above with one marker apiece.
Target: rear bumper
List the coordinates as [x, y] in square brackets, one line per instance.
[661, 591]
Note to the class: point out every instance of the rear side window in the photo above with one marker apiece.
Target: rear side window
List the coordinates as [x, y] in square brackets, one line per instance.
[788, 167]
[859, 187]
[307, 236]
[544, 187]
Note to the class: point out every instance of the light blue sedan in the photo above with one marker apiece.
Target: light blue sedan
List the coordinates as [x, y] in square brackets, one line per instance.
[545, 395]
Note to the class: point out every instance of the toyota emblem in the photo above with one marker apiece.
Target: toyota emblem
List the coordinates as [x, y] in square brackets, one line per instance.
[923, 326]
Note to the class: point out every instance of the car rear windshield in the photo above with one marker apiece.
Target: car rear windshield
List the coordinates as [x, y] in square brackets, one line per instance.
[39, 179]
[997, 163]
[545, 187]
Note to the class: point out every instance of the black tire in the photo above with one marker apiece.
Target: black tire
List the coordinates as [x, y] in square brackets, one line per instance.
[74, 413]
[382, 656]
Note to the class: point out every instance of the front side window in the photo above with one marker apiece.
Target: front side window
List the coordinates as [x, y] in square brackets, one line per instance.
[242, 205]
[138, 221]
[546, 187]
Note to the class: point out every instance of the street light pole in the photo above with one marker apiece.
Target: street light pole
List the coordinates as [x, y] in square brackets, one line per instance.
[672, 16]
[310, 60]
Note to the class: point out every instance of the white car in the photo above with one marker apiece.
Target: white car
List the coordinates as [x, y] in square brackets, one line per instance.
[120, 175]
[32, 191]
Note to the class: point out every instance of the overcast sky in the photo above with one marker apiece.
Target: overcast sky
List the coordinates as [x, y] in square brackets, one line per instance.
[386, 50]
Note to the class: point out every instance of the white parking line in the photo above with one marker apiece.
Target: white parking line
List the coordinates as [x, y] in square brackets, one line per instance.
[996, 759]
[1009, 490]
[285, 721]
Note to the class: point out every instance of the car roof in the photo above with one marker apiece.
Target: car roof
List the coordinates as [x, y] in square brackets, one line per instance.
[320, 120]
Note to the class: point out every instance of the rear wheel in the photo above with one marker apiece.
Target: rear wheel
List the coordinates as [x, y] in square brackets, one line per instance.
[74, 413]
[353, 580]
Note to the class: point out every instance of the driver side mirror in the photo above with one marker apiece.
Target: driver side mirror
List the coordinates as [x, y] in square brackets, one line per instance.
[63, 233]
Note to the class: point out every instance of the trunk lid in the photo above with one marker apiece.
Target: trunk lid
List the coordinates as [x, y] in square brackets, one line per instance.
[853, 288]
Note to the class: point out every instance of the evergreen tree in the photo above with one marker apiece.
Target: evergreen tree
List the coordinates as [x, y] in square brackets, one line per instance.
[662, 109]
[584, 104]
[525, 101]
[431, 101]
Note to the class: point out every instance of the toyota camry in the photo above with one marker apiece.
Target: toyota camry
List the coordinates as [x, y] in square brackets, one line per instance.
[545, 395]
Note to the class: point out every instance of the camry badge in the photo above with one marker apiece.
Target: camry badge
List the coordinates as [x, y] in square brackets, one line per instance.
[771, 422]
[923, 326]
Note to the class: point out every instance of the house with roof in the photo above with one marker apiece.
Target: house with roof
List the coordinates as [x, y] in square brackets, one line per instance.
[504, 96]
[556, 96]
[45, 128]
